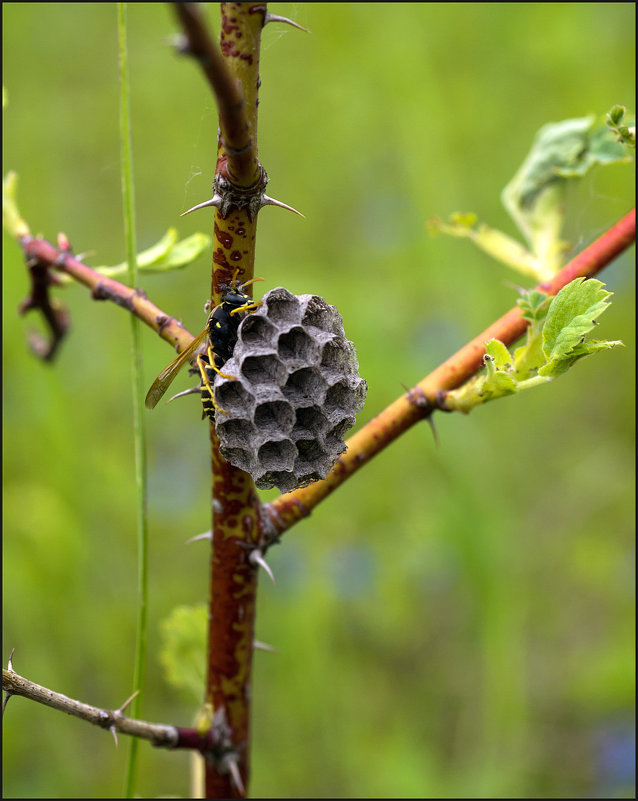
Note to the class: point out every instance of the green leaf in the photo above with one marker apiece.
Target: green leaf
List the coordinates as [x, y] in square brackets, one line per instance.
[183, 650]
[572, 315]
[184, 253]
[558, 366]
[11, 218]
[499, 353]
[529, 357]
[601, 149]
[533, 305]
[616, 114]
[535, 197]
[492, 241]
[167, 254]
[498, 380]
[626, 133]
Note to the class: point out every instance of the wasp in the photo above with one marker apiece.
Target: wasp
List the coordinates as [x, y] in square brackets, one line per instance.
[221, 333]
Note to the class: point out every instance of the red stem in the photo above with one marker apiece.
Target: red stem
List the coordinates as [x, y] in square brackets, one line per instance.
[419, 403]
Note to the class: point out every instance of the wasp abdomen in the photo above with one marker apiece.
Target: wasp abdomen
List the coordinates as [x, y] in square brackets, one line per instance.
[207, 401]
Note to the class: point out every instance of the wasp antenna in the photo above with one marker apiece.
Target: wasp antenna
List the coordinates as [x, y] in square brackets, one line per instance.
[214, 201]
[270, 201]
[276, 18]
[252, 281]
[257, 558]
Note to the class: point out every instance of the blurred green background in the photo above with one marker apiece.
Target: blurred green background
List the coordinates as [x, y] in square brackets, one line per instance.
[456, 621]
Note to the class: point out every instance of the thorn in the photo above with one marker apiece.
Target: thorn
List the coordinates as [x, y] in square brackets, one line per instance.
[257, 558]
[127, 702]
[435, 433]
[214, 201]
[180, 43]
[190, 391]
[276, 18]
[270, 201]
[7, 695]
[10, 661]
[63, 242]
[207, 535]
[235, 776]
[113, 731]
[264, 646]
[85, 255]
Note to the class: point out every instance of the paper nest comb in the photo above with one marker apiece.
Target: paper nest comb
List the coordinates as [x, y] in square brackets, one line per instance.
[296, 393]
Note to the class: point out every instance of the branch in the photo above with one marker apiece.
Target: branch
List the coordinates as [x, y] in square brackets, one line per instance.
[211, 740]
[238, 138]
[420, 402]
[54, 312]
[114, 720]
[46, 256]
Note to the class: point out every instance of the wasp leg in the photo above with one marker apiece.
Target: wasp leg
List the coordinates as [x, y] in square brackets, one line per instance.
[213, 366]
[247, 307]
[209, 402]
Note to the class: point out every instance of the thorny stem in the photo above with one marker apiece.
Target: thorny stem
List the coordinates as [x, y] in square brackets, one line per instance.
[420, 402]
[114, 720]
[236, 520]
[234, 77]
[233, 100]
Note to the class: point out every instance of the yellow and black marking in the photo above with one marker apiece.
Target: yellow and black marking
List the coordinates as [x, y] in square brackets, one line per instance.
[221, 332]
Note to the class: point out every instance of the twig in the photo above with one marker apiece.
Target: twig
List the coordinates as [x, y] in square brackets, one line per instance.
[47, 256]
[212, 743]
[158, 734]
[403, 413]
[237, 137]
[55, 314]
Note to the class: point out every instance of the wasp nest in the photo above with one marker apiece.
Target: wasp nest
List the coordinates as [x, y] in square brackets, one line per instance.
[296, 392]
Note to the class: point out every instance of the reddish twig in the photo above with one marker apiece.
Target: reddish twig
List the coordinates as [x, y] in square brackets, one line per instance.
[48, 257]
[55, 314]
[237, 134]
[285, 511]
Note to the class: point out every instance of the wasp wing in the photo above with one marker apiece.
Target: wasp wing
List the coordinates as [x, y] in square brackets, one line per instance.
[165, 378]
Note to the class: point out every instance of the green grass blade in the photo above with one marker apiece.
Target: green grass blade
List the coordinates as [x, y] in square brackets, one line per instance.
[128, 201]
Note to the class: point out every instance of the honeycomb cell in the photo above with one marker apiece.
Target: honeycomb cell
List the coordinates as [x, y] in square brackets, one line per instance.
[304, 385]
[231, 394]
[320, 315]
[274, 417]
[277, 455]
[309, 420]
[257, 332]
[297, 345]
[310, 451]
[262, 369]
[283, 307]
[237, 432]
[296, 393]
[337, 396]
